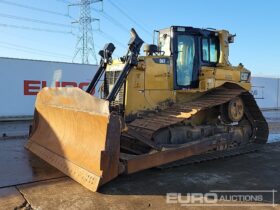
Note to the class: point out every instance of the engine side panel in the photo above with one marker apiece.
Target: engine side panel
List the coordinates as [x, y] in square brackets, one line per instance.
[150, 86]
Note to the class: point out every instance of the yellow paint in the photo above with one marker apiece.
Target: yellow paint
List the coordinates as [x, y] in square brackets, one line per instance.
[149, 89]
[149, 86]
[211, 77]
[224, 45]
[186, 114]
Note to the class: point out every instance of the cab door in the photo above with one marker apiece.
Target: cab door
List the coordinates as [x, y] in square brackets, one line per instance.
[186, 62]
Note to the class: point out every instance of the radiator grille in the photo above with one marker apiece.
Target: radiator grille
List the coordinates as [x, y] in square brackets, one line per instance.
[110, 79]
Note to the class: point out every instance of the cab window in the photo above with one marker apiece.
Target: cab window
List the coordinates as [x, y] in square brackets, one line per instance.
[210, 47]
[205, 50]
[185, 59]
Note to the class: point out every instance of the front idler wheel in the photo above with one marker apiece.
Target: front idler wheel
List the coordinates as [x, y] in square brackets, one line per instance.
[233, 111]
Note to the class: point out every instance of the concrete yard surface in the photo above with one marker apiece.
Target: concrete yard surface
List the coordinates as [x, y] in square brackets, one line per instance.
[18, 166]
[12, 129]
[147, 189]
[11, 198]
[27, 182]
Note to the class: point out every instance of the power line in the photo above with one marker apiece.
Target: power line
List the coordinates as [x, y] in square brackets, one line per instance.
[64, 1]
[35, 53]
[32, 8]
[33, 28]
[34, 20]
[129, 17]
[113, 20]
[110, 38]
[35, 50]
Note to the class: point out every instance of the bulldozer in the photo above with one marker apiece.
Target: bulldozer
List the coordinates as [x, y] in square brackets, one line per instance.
[182, 98]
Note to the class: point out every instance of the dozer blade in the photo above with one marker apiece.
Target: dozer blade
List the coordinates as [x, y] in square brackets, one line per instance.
[75, 132]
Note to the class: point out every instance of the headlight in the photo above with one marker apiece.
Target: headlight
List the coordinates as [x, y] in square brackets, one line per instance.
[244, 76]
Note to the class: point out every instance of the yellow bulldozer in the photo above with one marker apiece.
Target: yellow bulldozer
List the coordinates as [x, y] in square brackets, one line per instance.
[181, 99]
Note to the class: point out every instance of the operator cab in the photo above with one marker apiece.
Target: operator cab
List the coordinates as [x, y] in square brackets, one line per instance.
[191, 48]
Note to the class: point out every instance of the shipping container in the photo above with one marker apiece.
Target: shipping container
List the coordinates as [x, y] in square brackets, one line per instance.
[266, 91]
[21, 79]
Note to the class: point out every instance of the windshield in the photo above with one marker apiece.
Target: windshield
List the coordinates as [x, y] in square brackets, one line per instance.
[185, 59]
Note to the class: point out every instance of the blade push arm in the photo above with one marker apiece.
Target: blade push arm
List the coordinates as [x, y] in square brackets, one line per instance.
[134, 44]
[106, 57]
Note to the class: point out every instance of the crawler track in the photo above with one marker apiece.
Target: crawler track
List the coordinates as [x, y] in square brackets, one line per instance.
[256, 118]
[214, 155]
[145, 127]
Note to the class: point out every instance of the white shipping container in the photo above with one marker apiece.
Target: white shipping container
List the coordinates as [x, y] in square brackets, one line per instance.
[266, 91]
[21, 79]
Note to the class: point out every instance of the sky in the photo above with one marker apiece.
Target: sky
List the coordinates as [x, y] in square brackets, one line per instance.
[44, 30]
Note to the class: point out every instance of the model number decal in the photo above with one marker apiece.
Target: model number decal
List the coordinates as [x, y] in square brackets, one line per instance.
[162, 60]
